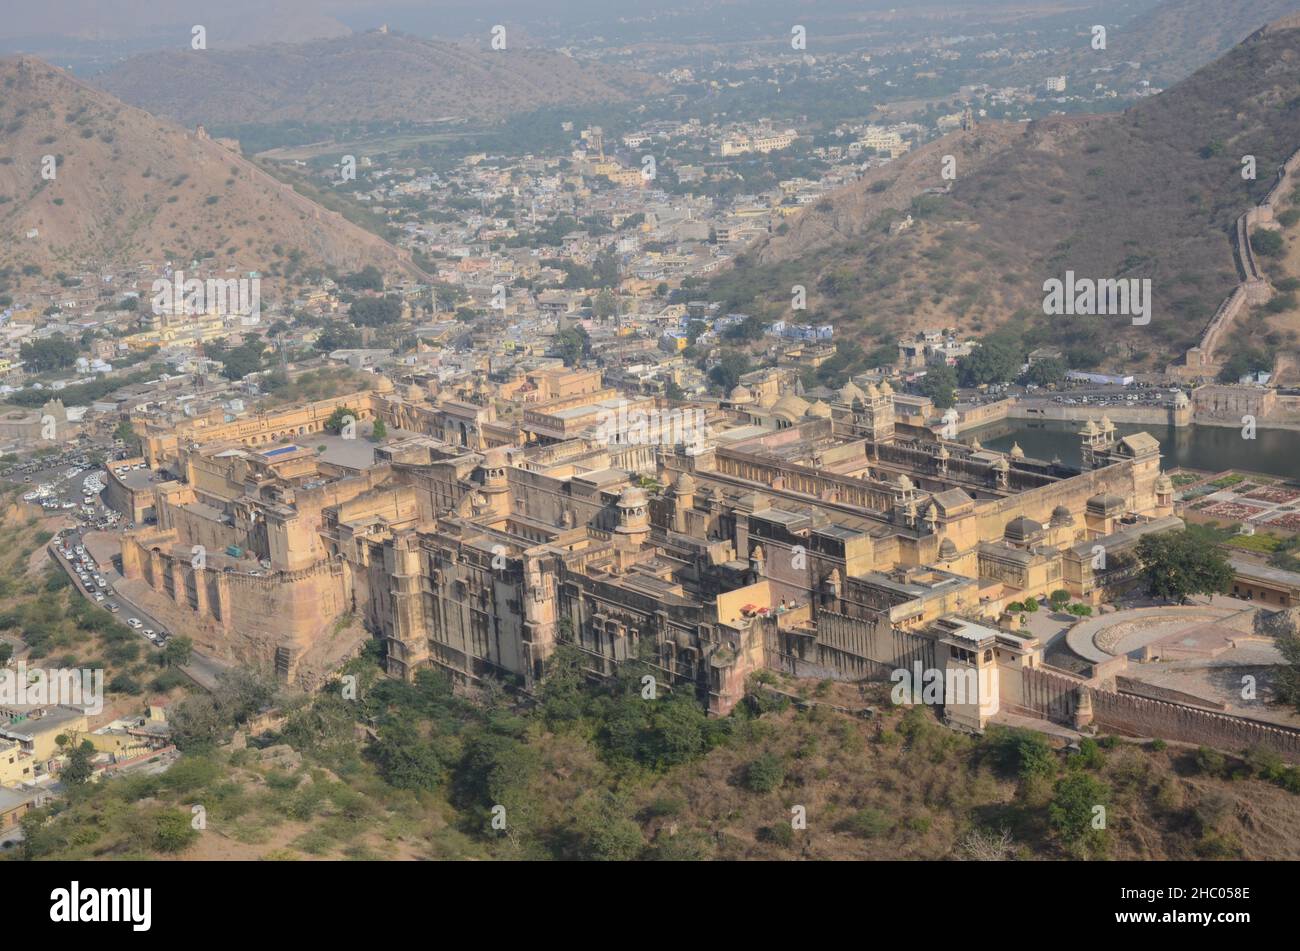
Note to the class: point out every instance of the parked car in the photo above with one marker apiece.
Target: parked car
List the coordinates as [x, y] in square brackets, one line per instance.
[134, 622]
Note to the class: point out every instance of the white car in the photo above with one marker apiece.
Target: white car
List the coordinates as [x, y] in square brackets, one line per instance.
[99, 597]
[134, 622]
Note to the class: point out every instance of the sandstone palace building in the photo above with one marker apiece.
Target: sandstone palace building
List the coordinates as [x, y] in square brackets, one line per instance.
[822, 538]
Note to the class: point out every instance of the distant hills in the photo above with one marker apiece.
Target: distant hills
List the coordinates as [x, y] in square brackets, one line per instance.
[130, 187]
[1174, 38]
[363, 77]
[1149, 193]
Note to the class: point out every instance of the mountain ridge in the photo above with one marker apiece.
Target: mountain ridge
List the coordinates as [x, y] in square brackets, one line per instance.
[128, 185]
[361, 77]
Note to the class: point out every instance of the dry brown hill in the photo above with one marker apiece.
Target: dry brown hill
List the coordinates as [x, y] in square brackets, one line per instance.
[365, 77]
[876, 198]
[1150, 193]
[130, 187]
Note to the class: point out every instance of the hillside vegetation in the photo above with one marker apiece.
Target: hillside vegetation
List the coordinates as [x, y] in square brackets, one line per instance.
[600, 772]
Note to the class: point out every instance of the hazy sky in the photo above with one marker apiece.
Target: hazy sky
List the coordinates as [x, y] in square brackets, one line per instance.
[103, 19]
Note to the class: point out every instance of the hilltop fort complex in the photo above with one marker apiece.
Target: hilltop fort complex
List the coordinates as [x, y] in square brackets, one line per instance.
[825, 539]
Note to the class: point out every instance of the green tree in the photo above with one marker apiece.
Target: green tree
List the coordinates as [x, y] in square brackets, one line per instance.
[996, 360]
[1047, 371]
[764, 773]
[1073, 810]
[178, 652]
[368, 278]
[749, 329]
[605, 305]
[375, 311]
[1020, 752]
[379, 431]
[940, 385]
[173, 832]
[341, 417]
[730, 367]
[242, 360]
[572, 344]
[405, 759]
[78, 770]
[1267, 242]
[55, 352]
[1176, 566]
[609, 835]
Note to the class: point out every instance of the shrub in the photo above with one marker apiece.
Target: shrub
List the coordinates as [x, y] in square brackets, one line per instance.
[780, 834]
[1089, 755]
[173, 833]
[1023, 753]
[765, 774]
[1073, 807]
[867, 823]
[1211, 762]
